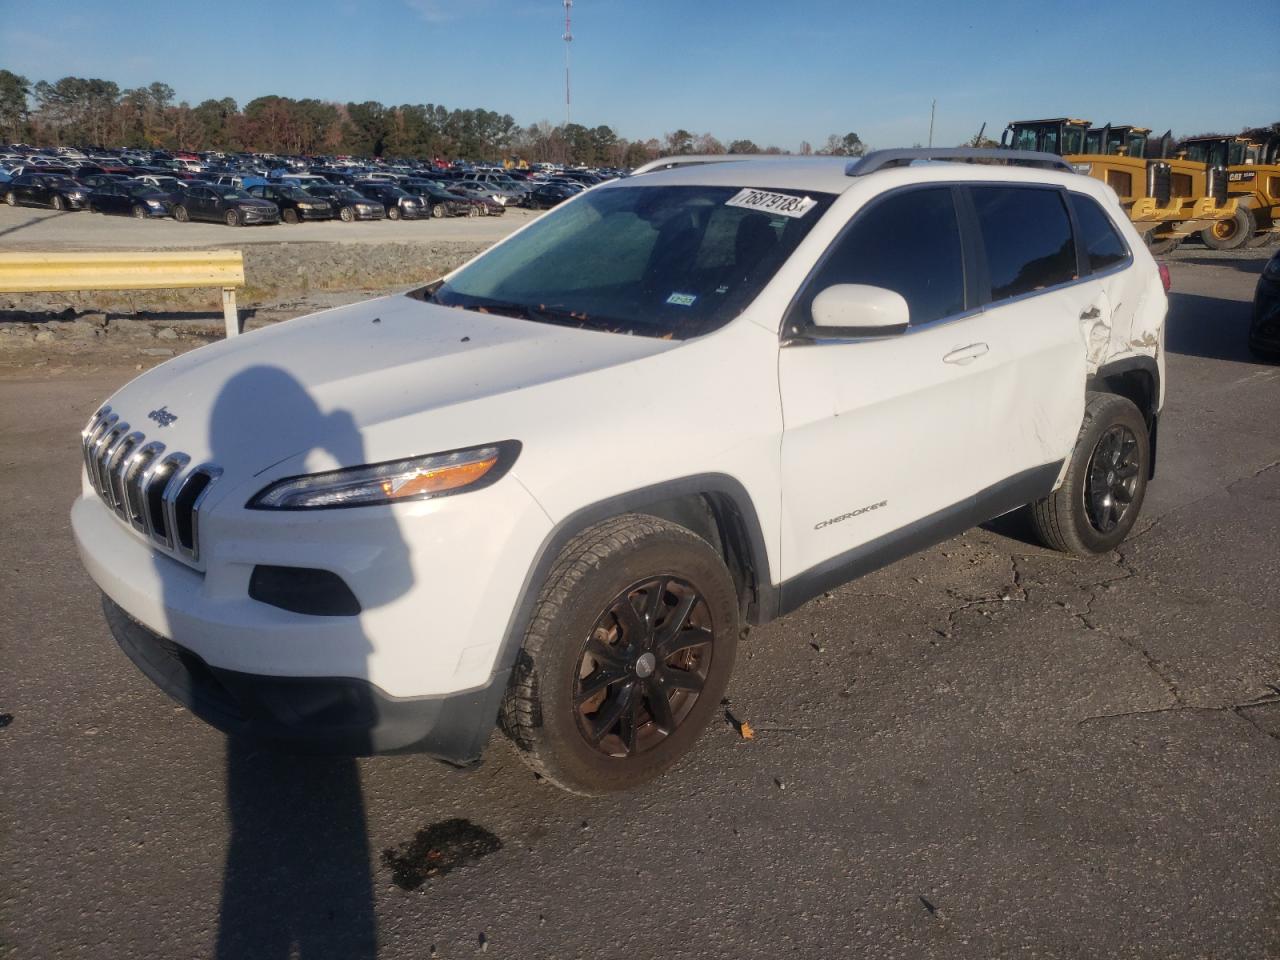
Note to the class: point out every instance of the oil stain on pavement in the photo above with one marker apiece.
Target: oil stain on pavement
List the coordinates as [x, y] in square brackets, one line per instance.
[438, 849]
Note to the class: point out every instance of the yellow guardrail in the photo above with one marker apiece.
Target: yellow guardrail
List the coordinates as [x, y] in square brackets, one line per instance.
[60, 272]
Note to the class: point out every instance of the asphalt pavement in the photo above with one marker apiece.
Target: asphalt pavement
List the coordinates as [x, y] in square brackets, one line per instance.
[38, 228]
[986, 750]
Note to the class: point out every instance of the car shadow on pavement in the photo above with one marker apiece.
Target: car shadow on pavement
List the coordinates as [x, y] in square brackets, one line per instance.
[297, 880]
[1209, 327]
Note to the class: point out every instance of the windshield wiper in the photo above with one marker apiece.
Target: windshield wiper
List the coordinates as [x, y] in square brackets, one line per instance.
[541, 313]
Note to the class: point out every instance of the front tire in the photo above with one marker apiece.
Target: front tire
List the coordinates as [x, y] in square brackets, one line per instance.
[626, 657]
[139, 212]
[290, 216]
[233, 218]
[346, 214]
[11, 199]
[437, 211]
[393, 213]
[1233, 233]
[58, 203]
[181, 215]
[1101, 496]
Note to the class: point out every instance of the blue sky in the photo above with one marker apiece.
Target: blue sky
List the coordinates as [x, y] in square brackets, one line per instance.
[778, 73]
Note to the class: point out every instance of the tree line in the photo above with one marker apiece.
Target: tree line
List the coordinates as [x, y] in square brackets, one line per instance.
[77, 111]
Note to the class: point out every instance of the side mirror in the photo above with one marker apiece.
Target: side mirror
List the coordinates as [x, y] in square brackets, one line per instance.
[856, 310]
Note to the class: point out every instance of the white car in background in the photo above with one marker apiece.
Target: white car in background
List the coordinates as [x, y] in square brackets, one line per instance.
[551, 489]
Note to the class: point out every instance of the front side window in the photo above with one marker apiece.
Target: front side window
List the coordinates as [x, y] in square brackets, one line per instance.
[1027, 236]
[1097, 234]
[908, 242]
[664, 261]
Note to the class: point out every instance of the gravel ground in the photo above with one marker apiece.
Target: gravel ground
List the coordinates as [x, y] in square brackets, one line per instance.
[985, 750]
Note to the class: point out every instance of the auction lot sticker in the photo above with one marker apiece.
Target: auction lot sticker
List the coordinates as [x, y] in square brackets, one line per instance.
[766, 202]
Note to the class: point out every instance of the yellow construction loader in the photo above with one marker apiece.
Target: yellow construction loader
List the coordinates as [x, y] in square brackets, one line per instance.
[1167, 199]
[1253, 180]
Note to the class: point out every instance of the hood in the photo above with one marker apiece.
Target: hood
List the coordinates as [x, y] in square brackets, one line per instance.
[252, 401]
[253, 202]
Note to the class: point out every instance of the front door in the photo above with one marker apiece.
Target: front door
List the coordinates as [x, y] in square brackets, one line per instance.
[885, 438]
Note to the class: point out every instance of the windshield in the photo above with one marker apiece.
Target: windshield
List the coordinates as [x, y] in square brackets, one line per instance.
[231, 193]
[657, 261]
[293, 193]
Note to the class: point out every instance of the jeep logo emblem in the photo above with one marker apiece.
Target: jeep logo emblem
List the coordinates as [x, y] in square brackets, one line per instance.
[162, 417]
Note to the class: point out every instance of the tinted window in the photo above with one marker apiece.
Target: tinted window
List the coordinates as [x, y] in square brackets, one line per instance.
[1102, 245]
[1027, 234]
[909, 243]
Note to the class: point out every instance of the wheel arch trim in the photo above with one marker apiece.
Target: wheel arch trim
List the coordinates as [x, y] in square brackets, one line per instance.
[634, 501]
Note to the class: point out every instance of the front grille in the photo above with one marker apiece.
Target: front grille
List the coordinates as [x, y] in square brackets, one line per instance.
[149, 489]
[1218, 184]
[1159, 182]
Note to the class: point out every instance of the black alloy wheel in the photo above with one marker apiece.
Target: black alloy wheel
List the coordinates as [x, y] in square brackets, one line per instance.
[1112, 479]
[643, 667]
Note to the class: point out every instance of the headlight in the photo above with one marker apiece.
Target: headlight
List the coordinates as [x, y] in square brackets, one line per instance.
[364, 208]
[155, 204]
[417, 478]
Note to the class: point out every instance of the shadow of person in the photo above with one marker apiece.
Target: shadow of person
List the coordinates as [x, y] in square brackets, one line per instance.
[297, 879]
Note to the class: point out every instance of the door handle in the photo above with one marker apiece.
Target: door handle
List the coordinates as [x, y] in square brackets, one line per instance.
[963, 355]
[1093, 313]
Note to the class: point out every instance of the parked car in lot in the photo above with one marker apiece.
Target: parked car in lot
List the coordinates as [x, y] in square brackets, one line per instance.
[490, 206]
[841, 386]
[163, 183]
[398, 203]
[440, 203]
[549, 194]
[295, 203]
[1264, 330]
[350, 204]
[139, 200]
[229, 205]
[46, 190]
[91, 181]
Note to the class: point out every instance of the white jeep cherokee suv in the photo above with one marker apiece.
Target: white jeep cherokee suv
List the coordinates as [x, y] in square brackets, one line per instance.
[550, 490]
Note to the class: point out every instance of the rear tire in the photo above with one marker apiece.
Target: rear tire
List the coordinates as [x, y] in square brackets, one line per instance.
[181, 215]
[1231, 234]
[1101, 496]
[1261, 239]
[1159, 248]
[602, 701]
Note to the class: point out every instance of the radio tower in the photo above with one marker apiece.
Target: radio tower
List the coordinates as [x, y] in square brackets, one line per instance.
[568, 39]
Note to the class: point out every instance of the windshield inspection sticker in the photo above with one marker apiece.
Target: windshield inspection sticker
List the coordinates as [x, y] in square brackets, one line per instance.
[780, 203]
[682, 299]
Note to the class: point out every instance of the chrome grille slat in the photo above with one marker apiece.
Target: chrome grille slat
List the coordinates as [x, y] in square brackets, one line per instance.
[144, 485]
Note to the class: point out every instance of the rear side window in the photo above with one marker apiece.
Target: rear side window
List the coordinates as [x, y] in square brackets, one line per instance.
[1027, 235]
[1102, 244]
[909, 243]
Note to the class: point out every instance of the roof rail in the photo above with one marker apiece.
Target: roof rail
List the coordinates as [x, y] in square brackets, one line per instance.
[880, 159]
[689, 159]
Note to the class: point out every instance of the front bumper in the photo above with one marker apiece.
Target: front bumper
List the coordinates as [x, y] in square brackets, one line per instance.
[331, 715]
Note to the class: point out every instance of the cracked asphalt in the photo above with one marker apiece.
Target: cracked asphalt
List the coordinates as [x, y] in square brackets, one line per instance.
[985, 750]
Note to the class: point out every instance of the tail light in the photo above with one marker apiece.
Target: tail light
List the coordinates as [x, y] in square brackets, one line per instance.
[1164, 276]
